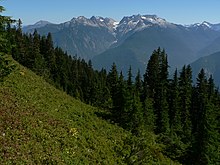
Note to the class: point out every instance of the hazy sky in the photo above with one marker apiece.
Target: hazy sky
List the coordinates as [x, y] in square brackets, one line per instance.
[57, 11]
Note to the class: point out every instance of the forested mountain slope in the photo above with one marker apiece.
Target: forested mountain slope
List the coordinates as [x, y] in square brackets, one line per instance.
[42, 125]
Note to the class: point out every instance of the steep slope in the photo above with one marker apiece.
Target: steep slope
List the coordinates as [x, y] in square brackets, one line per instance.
[210, 49]
[211, 65]
[42, 125]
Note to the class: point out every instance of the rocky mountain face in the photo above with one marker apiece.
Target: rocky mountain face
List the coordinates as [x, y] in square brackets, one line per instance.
[81, 36]
[131, 41]
[139, 35]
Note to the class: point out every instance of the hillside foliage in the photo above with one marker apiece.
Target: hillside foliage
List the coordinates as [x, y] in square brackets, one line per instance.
[154, 114]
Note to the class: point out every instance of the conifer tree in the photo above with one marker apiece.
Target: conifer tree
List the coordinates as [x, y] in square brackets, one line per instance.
[185, 87]
[129, 80]
[149, 115]
[163, 122]
[136, 119]
[104, 98]
[121, 112]
[38, 58]
[156, 88]
[112, 80]
[205, 135]
[128, 103]
[5, 68]
[138, 84]
[49, 56]
[4, 21]
[151, 78]
[174, 106]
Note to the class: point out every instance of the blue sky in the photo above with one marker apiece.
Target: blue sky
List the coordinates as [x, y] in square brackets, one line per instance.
[57, 11]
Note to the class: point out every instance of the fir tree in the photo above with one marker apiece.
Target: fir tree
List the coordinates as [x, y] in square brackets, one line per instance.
[163, 93]
[127, 107]
[174, 106]
[149, 115]
[112, 80]
[5, 67]
[138, 84]
[156, 86]
[151, 78]
[38, 58]
[205, 135]
[4, 42]
[136, 119]
[185, 88]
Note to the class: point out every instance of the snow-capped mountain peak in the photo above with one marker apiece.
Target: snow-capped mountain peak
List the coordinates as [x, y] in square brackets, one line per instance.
[140, 22]
[205, 25]
[209, 25]
[95, 21]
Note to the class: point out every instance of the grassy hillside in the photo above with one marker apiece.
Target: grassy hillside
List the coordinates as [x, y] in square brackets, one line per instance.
[42, 125]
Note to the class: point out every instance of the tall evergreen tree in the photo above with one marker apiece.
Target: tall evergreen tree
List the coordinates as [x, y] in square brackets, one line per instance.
[138, 84]
[151, 78]
[174, 106]
[156, 88]
[4, 42]
[129, 80]
[112, 80]
[185, 87]
[137, 121]
[149, 115]
[129, 96]
[49, 56]
[163, 113]
[5, 68]
[38, 58]
[205, 135]
[121, 113]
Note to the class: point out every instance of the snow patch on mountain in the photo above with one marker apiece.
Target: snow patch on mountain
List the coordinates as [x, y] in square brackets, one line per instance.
[95, 21]
[140, 22]
[205, 25]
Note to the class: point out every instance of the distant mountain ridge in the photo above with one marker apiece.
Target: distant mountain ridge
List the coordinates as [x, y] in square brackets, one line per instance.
[132, 40]
[38, 24]
[207, 25]
[210, 64]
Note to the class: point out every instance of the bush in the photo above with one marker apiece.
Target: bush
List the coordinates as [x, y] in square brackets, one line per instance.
[5, 67]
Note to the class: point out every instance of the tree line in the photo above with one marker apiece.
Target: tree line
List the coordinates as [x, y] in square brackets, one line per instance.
[5, 67]
[185, 116]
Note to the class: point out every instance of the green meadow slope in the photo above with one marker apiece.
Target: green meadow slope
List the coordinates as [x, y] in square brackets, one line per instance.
[42, 125]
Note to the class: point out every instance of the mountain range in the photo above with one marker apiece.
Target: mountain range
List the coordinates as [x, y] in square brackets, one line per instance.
[131, 41]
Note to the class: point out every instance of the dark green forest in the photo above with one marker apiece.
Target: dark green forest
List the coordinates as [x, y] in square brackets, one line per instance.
[184, 115]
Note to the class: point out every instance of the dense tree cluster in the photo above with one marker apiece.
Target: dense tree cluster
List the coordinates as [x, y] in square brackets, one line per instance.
[5, 46]
[184, 116]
